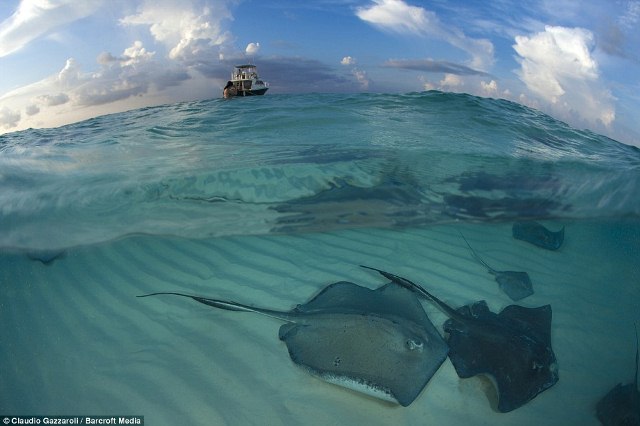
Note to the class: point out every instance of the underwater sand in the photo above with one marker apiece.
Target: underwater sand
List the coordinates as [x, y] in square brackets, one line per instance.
[76, 340]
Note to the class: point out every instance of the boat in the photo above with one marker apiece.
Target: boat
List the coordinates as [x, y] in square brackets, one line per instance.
[246, 82]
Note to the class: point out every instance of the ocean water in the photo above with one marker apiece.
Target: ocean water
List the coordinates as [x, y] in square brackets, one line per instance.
[266, 200]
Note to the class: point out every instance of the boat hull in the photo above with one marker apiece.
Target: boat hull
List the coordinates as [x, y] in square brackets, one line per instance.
[256, 92]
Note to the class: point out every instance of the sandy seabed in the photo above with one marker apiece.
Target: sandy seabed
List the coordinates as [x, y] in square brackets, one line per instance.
[75, 340]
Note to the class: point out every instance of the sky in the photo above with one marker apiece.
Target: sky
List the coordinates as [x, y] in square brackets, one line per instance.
[63, 61]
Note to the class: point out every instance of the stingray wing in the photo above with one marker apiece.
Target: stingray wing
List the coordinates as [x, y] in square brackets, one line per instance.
[621, 406]
[536, 234]
[513, 348]
[517, 285]
[379, 342]
[390, 360]
[387, 300]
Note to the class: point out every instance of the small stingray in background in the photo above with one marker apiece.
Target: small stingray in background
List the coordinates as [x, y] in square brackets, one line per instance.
[389, 203]
[621, 406]
[46, 256]
[512, 347]
[510, 182]
[517, 285]
[465, 206]
[378, 342]
[536, 234]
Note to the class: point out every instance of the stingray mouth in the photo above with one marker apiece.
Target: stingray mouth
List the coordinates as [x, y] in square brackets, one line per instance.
[414, 344]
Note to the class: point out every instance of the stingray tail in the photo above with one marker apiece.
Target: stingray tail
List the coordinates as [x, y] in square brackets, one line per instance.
[227, 305]
[636, 376]
[475, 255]
[418, 289]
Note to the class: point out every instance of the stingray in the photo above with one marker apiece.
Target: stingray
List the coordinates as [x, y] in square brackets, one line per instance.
[621, 406]
[378, 342]
[517, 285]
[46, 257]
[513, 348]
[345, 205]
[475, 206]
[536, 234]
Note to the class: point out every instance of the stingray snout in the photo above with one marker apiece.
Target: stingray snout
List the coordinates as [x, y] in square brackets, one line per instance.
[414, 344]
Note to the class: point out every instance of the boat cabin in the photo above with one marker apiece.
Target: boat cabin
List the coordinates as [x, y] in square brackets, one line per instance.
[246, 82]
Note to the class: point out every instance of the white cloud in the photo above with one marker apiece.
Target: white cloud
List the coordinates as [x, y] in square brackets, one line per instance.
[451, 82]
[492, 90]
[489, 89]
[131, 55]
[136, 54]
[565, 50]
[348, 60]
[116, 80]
[35, 18]
[467, 84]
[105, 58]
[131, 74]
[557, 66]
[398, 16]
[426, 84]
[360, 75]
[69, 75]
[362, 78]
[252, 48]
[190, 32]
[53, 100]
[75, 93]
[9, 118]
[32, 109]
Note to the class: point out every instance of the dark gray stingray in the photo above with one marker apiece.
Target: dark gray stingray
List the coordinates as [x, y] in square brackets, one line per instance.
[536, 234]
[512, 347]
[379, 342]
[465, 206]
[46, 256]
[517, 285]
[389, 203]
[621, 406]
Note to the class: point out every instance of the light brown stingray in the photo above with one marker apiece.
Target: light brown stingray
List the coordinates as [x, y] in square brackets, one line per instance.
[379, 342]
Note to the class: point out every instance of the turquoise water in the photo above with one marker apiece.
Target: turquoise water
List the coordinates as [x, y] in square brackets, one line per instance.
[271, 164]
[266, 201]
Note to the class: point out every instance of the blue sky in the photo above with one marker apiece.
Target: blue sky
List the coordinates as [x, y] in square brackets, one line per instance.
[66, 60]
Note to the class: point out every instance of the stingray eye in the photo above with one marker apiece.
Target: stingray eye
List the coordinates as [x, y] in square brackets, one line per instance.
[412, 344]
